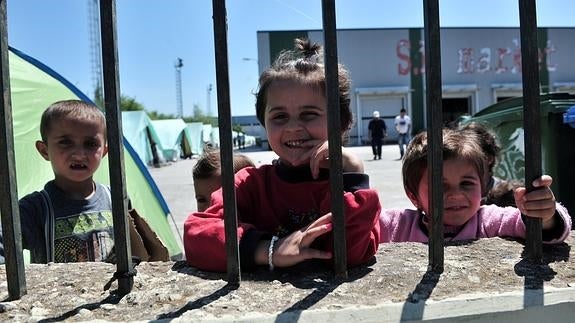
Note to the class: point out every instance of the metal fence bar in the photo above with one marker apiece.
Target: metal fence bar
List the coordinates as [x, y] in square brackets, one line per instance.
[226, 147]
[434, 131]
[115, 145]
[11, 231]
[334, 138]
[531, 117]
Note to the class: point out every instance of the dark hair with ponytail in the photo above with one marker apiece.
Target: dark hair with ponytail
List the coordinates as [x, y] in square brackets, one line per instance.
[304, 65]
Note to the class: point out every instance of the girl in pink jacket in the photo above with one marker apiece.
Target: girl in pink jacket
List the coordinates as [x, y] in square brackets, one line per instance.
[464, 181]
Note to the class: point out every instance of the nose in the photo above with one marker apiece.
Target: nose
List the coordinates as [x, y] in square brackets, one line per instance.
[451, 192]
[293, 124]
[79, 152]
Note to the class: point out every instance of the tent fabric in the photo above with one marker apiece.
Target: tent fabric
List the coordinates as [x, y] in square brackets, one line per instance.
[215, 135]
[207, 133]
[138, 129]
[174, 137]
[34, 86]
[195, 130]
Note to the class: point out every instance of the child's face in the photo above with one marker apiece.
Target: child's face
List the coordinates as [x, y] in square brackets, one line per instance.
[295, 119]
[204, 188]
[461, 192]
[75, 149]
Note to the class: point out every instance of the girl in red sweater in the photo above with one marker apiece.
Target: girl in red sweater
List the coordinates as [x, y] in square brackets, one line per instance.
[284, 209]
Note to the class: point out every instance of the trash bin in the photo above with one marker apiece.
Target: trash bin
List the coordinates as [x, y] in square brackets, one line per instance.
[557, 113]
[569, 117]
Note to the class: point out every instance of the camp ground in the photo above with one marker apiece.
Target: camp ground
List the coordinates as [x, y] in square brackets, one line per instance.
[34, 87]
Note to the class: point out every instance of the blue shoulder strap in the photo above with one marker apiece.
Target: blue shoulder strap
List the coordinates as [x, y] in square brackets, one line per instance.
[49, 225]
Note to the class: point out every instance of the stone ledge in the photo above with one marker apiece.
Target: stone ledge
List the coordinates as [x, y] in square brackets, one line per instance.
[483, 280]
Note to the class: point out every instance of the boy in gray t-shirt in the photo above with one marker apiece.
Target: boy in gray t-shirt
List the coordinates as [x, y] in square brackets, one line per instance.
[71, 219]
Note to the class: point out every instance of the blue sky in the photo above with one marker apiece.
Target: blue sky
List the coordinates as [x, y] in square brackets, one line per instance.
[152, 34]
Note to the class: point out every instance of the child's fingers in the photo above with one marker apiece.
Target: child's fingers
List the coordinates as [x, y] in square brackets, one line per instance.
[320, 226]
[312, 233]
[544, 180]
[324, 219]
[315, 254]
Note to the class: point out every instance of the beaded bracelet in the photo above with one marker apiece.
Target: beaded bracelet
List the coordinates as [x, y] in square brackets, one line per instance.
[271, 252]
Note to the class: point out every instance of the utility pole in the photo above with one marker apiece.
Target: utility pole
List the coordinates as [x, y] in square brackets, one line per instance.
[95, 48]
[179, 103]
[208, 100]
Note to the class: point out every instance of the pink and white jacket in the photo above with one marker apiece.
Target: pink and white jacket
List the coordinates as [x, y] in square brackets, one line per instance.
[406, 225]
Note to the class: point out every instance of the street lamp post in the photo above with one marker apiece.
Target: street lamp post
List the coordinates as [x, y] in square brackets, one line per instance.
[208, 100]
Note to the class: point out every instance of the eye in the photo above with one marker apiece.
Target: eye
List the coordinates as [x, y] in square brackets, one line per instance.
[201, 199]
[92, 144]
[64, 142]
[309, 115]
[468, 183]
[279, 118]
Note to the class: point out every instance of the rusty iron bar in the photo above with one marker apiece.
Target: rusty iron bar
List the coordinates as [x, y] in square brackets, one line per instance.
[531, 118]
[11, 230]
[334, 138]
[115, 144]
[434, 131]
[226, 147]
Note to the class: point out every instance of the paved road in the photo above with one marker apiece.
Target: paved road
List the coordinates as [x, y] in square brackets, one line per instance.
[176, 183]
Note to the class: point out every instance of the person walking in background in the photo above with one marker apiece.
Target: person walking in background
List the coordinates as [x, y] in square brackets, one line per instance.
[403, 127]
[377, 131]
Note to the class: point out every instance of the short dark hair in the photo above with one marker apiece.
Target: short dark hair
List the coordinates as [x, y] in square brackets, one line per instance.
[402, 110]
[76, 109]
[209, 163]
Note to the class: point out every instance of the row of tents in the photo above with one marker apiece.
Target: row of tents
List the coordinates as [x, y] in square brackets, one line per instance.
[158, 141]
[34, 86]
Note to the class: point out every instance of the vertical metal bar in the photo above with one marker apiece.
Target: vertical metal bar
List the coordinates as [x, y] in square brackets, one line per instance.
[334, 138]
[11, 231]
[531, 117]
[115, 145]
[226, 147]
[434, 131]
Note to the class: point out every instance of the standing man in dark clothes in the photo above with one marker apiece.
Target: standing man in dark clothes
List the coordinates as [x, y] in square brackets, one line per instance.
[377, 131]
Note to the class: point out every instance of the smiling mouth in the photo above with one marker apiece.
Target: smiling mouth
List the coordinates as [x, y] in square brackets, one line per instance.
[455, 208]
[295, 143]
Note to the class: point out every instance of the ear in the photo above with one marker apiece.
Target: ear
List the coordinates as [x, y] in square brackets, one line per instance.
[414, 200]
[105, 150]
[42, 149]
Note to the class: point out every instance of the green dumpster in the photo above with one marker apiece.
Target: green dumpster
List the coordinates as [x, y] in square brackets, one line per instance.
[505, 119]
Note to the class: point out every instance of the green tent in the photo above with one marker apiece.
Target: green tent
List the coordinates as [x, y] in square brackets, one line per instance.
[34, 87]
[139, 131]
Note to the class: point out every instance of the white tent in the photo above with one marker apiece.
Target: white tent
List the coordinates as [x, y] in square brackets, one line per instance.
[175, 138]
[195, 131]
[140, 133]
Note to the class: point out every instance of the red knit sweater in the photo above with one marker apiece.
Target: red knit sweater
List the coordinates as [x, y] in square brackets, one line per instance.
[277, 200]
